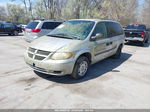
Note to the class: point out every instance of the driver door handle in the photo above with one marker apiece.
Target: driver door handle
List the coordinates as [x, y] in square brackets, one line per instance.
[109, 43]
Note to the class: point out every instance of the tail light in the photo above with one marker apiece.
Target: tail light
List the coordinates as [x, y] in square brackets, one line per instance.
[24, 29]
[142, 34]
[35, 30]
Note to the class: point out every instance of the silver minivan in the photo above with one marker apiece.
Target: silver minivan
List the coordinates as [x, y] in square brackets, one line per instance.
[74, 45]
[38, 28]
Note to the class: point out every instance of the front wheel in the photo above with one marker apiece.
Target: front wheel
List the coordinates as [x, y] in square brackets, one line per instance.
[80, 68]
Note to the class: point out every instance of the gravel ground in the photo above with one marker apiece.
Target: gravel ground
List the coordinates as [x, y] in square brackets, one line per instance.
[121, 83]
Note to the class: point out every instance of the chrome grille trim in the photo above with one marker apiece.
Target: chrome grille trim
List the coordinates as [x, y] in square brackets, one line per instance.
[39, 57]
[30, 55]
[32, 49]
[38, 54]
[43, 52]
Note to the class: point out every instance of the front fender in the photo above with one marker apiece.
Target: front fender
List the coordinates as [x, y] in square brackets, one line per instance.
[82, 52]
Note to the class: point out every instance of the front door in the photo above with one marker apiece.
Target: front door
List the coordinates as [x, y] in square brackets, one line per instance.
[100, 46]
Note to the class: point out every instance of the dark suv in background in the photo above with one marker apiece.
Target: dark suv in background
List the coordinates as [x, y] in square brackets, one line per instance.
[137, 32]
[9, 28]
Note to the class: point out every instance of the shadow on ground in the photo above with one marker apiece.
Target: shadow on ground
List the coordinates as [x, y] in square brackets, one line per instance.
[95, 71]
[137, 44]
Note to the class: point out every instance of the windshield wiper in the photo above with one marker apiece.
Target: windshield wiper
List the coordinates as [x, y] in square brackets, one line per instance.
[60, 35]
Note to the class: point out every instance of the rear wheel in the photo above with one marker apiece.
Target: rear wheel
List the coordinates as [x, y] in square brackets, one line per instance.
[146, 41]
[80, 68]
[142, 43]
[117, 55]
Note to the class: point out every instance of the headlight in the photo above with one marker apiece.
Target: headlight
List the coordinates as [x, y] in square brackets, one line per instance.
[61, 56]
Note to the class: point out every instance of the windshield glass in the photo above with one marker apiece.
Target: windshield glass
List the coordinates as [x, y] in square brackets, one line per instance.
[75, 29]
[136, 26]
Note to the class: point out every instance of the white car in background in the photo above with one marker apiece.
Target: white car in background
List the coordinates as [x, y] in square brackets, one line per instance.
[38, 28]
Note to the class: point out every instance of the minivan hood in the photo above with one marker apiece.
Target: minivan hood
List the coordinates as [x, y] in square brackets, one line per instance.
[52, 44]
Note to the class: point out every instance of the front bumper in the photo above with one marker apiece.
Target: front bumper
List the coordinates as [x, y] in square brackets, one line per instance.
[134, 39]
[51, 67]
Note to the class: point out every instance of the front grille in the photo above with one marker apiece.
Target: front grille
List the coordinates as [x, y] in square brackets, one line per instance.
[30, 55]
[43, 52]
[39, 57]
[38, 69]
[32, 49]
[37, 54]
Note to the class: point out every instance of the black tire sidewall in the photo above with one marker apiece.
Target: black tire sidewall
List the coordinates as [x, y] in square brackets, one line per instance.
[118, 52]
[75, 74]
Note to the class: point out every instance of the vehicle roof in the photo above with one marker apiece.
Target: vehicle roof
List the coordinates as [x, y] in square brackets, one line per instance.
[136, 24]
[94, 20]
[5, 22]
[48, 20]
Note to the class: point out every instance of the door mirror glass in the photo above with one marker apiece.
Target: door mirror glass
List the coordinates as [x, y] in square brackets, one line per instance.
[98, 36]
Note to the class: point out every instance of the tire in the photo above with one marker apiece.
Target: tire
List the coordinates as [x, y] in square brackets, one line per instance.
[16, 33]
[80, 68]
[117, 55]
[142, 43]
[146, 41]
[9, 34]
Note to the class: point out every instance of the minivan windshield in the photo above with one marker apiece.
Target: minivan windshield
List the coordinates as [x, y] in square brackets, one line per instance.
[32, 25]
[74, 29]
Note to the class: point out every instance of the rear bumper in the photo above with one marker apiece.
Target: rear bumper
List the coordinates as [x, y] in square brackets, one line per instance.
[134, 39]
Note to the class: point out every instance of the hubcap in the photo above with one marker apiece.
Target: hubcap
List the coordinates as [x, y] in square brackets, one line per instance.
[83, 68]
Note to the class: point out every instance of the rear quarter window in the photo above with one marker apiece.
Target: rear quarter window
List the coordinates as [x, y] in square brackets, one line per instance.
[136, 26]
[114, 29]
[32, 25]
[50, 25]
[8, 25]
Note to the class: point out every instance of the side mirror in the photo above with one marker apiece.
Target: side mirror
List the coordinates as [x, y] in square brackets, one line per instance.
[97, 37]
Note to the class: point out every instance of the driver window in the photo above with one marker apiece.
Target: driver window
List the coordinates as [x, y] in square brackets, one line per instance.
[100, 28]
[0, 25]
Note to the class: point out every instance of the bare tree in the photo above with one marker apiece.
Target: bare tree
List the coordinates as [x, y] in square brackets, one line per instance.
[146, 12]
[15, 12]
[2, 13]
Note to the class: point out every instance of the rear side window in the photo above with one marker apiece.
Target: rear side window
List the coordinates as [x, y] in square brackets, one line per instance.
[8, 25]
[136, 26]
[32, 25]
[50, 25]
[1, 25]
[114, 29]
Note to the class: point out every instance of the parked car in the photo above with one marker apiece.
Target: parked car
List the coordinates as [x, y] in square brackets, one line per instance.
[38, 28]
[9, 28]
[74, 45]
[137, 32]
